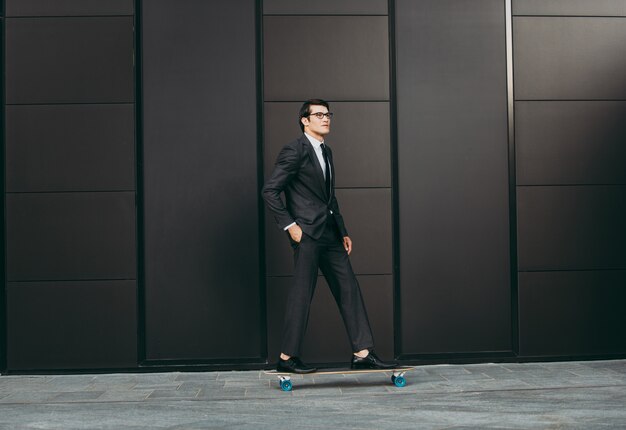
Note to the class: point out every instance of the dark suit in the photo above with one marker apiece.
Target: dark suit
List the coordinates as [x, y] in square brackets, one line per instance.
[314, 208]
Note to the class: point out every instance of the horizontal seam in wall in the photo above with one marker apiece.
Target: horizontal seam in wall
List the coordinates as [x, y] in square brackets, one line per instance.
[70, 191]
[572, 185]
[570, 16]
[363, 188]
[357, 274]
[328, 100]
[71, 280]
[571, 270]
[324, 14]
[570, 100]
[66, 16]
[71, 104]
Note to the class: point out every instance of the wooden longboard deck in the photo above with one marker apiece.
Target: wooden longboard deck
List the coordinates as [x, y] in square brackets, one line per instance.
[340, 371]
[285, 384]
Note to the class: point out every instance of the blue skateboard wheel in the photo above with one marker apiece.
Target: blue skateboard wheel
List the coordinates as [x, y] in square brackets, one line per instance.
[286, 385]
[399, 381]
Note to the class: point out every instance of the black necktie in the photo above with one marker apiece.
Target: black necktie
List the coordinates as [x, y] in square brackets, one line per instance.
[327, 172]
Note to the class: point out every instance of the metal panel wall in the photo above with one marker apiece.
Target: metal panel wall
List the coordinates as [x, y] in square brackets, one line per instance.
[70, 191]
[70, 60]
[453, 177]
[569, 313]
[338, 51]
[570, 7]
[569, 58]
[98, 138]
[69, 7]
[570, 134]
[572, 227]
[200, 186]
[353, 64]
[49, 313]
[422, 142]
[325, 7]
[74, 235]
[570, 142]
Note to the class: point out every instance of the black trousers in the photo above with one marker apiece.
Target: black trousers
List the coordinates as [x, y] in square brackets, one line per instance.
[328, 254]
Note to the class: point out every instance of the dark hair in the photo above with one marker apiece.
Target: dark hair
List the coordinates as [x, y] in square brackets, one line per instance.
[305, 110]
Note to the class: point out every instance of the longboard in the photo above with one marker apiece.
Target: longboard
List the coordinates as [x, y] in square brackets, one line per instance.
[284, 378]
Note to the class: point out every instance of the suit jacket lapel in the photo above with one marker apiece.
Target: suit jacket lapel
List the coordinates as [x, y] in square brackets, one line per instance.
[319, 173]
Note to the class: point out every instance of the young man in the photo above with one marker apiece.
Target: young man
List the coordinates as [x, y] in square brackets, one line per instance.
[310, 215]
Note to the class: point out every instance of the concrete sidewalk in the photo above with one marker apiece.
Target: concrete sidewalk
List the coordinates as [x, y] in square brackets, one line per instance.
[576, 395]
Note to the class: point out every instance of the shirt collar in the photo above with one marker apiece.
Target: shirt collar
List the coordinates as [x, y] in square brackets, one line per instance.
[316, 143]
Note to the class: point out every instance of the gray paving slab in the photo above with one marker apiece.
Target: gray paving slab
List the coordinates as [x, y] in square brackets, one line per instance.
[202, 385]
[25, 397]
[174, 394]
[157, 385]
[223, 394]
[569, 395]
[78, 396]
[125, 395]
[196, 376]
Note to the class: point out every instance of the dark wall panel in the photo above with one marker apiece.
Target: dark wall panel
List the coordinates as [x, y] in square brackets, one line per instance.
[2, 211]
[330, 57]
[570, 7]
[359, 140]
[278, 251]
[569, 58]
[70, 236]
[201, 193]
[367, 214]
[571, 228]
[572, 313]
[570, 142]
[453, 178]
[326, 339]
[70, 148]
[329, 7]
[69, 60]
[69, 7]
[72, 325]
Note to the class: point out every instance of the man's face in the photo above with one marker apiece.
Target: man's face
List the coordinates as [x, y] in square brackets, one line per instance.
[317, 127]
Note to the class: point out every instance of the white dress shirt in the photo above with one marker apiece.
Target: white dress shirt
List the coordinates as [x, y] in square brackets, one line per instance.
[317, 146]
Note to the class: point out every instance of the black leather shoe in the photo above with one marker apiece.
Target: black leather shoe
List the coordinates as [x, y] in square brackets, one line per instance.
[293, 365]
[371, 362]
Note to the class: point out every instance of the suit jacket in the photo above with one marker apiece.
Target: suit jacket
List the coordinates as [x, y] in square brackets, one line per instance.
[298, 174]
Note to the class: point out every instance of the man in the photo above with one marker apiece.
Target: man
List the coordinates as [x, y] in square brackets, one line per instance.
[304, 172]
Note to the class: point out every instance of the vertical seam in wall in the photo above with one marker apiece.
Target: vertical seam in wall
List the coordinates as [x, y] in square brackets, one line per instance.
[395, 222]
[4, 324]
[512, 179]
[139, 225]
[260, 179]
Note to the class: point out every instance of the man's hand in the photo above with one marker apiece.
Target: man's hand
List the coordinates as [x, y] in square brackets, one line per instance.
[347, 244]
[295, 232]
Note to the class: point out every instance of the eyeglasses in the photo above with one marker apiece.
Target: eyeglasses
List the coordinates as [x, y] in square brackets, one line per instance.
[320, 115]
